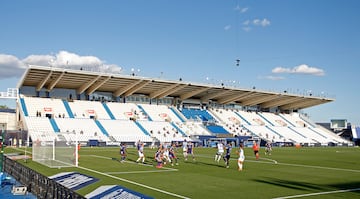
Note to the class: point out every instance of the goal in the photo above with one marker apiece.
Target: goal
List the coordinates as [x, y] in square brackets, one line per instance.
[55, 151]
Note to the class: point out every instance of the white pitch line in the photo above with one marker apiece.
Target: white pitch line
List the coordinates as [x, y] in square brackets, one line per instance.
[319, 167]
[318, 193]
[97, 156]
[269, 161]
[22, 150]
[272, 160]
[303, 165]
[295, 165]
[129, 172]
[108, 158]
[151, 165]
[135, 183]
[132, 182]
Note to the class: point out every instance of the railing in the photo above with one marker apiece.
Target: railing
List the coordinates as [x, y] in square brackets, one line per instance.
[39, 185]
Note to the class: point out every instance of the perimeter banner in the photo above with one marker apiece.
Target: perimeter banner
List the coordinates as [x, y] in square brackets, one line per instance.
[115, 192]
[73, 180]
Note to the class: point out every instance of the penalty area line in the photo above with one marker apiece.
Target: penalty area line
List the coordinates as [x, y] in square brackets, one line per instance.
[318, 193]
[266, 159]
[129, 162]
[261, 160]
[135, 183]
[22, 150]
[319, 167]
[130, 172]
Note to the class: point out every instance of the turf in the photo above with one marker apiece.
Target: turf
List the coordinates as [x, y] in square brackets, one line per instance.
[326, 172]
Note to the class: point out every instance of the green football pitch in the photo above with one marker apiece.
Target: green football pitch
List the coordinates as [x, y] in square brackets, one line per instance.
[313, 172]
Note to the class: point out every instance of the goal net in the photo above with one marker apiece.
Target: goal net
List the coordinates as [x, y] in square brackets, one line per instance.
[55, 150]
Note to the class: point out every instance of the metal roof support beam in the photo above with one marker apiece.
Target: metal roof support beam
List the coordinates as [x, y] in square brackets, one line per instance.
[213, 95]
[136, 87]
[302, 104]
[53, 84]
[172, 91]
[293, 105]
[314, 103]
[194, 92]
[235, 97]
[43, 77]
[20, 83]
[94, 87]
[259, 100]
[279, 102]
[122, 90]
[42, 83]
[162, 91]
[87, 85]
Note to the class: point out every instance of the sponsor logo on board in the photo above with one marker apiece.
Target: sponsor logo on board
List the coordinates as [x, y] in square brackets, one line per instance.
[115, 191]
[73, 180]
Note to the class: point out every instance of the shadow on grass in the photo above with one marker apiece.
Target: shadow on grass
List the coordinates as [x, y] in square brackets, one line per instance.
[205, 163]
[348, 185]
[292, 184]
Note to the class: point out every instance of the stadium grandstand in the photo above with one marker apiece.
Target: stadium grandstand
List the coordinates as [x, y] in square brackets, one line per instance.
[108, 109]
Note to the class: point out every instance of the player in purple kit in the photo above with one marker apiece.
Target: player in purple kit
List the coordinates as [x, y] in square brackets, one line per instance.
[123, 152]
[172, 155]
[159, 158]
[228, 148]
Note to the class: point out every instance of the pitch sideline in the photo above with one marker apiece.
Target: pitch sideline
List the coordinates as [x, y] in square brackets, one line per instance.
[318, 193]
[135, 183]
[129, 181]
[164, 169]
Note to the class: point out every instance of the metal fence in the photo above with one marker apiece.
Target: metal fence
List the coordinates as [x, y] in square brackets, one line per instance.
[39, 185]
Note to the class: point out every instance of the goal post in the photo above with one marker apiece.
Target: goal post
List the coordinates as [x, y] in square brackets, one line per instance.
[56, 151]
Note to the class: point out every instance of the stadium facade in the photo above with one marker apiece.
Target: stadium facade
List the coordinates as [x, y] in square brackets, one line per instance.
[104, 109]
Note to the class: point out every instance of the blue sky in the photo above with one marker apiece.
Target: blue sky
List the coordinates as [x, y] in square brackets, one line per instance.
[299, 46]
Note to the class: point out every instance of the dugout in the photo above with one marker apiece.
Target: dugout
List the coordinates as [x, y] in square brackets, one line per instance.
[211, 141]
[95, 142]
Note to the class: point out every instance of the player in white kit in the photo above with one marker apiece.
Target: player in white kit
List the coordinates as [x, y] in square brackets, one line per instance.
[220, 151]
[184, 147]
[241, 158]
[141, 153]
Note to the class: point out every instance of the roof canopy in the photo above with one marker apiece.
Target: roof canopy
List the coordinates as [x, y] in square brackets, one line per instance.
[89, 82]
